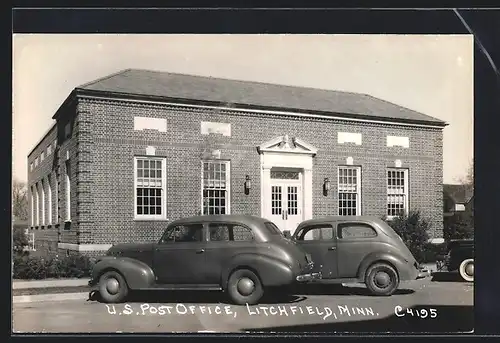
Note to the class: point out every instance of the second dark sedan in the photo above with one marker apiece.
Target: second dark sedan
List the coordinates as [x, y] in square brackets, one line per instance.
[363, 249]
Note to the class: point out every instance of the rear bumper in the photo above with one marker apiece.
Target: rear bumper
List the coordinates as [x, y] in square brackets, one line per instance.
[423, 273]
[306, 274]
[308, 277]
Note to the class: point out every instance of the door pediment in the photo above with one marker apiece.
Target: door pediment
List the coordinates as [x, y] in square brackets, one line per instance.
[286, 144]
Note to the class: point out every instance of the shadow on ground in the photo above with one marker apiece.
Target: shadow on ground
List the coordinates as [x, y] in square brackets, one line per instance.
[202, 297]
[339, 290]
[443, 276]
[449, 319]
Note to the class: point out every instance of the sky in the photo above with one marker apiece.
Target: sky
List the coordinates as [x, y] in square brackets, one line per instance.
[431, 74]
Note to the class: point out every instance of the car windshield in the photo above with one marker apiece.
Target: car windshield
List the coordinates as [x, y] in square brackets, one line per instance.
[273, 229]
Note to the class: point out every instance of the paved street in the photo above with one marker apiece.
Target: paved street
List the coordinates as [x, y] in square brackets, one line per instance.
[435, 307]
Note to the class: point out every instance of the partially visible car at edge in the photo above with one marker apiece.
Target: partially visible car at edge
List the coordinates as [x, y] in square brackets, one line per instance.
[241, 255]
[347, 249]
[460, 257]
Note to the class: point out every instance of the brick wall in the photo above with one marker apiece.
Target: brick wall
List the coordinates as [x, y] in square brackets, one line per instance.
[105, 145]
[50, 174]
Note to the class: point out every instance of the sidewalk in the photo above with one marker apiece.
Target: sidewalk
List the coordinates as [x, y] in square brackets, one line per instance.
[29, 284]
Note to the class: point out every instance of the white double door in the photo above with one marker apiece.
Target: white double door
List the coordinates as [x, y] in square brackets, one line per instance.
[286, 204]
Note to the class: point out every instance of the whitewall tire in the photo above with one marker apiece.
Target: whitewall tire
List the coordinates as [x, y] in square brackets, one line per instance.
[466, 270]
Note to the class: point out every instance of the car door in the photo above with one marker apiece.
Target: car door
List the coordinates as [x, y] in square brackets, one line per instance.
[225, 241]
[355, 240]
[319, 241]
[179, 255]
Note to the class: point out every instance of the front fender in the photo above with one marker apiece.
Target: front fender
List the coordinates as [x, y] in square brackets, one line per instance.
[137, 274]
[405, 269]
[271, 272]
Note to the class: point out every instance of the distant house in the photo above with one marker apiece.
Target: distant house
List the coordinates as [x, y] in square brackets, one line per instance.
[457, 198]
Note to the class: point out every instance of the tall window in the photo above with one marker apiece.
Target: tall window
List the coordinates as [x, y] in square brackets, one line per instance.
[32, 207]
[68, 191]
[349, 190]
[397, 191]
[37, 208]
[49, 200]
[56, 193]
[215, 187]
[42, 202]
[150, 188]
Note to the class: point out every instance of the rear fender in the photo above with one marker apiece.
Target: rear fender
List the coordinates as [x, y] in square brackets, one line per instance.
[405, 270]
[271, 272]
[137, 274]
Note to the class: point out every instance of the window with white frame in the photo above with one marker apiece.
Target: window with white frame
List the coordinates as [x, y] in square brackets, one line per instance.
[397, 191]
[68, 191]
[56, 193]
[36, 162]
[49, 200]
[37, 207]
[42, 202]
[31, 166]
[150, 188]
[349, 190]
[42, 156]
[215, 187]
[32, 207]
[49, 149]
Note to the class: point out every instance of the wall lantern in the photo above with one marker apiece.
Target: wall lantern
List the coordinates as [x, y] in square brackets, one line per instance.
[326, 186]
[248, 185]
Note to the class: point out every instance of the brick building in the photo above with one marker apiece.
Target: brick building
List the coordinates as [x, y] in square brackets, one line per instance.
[134, 150]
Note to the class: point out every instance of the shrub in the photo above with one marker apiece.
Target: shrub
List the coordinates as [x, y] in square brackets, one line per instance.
[20, 241]
[413, 229]
[459, 226]
[28, 267]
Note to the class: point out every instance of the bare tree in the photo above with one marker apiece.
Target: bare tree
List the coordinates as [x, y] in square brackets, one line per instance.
[20, 199]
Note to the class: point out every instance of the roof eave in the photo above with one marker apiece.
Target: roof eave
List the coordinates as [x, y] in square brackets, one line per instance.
[66, 102]
[183, 101]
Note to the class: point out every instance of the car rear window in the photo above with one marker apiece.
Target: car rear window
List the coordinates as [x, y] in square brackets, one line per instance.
[273, 229]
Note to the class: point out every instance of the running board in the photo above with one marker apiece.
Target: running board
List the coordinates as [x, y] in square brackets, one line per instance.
[169, 287]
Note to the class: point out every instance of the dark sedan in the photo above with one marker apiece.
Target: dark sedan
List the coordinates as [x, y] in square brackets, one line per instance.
[241, 255]
[358, 249]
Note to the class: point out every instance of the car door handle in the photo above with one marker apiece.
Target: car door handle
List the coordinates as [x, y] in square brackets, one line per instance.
[200, 251]
[332, 248]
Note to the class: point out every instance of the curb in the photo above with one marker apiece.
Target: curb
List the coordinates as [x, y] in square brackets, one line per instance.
[49, 297]
[49, 283]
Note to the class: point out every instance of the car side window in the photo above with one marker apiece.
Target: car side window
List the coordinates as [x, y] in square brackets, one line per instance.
[316, 233]
[184, 233]
[356, 230]
[242, 234]
[222, 232]
[218, 232]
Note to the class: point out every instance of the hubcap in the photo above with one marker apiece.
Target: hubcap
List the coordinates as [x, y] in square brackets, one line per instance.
[112, 286]
[469, 269]
[382, 279]
[245, 286]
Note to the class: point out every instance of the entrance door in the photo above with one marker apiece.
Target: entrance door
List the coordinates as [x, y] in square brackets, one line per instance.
[286, 204]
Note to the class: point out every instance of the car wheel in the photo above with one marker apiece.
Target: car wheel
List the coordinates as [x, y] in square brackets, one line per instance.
[244, 287]
[382, 279]
[112, 287]
[466, 270]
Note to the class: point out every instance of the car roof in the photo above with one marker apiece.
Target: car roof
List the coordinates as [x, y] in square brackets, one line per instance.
[244, 219]
[324, 219]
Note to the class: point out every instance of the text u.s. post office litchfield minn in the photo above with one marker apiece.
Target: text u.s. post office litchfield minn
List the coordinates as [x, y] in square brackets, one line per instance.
[322, 312]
